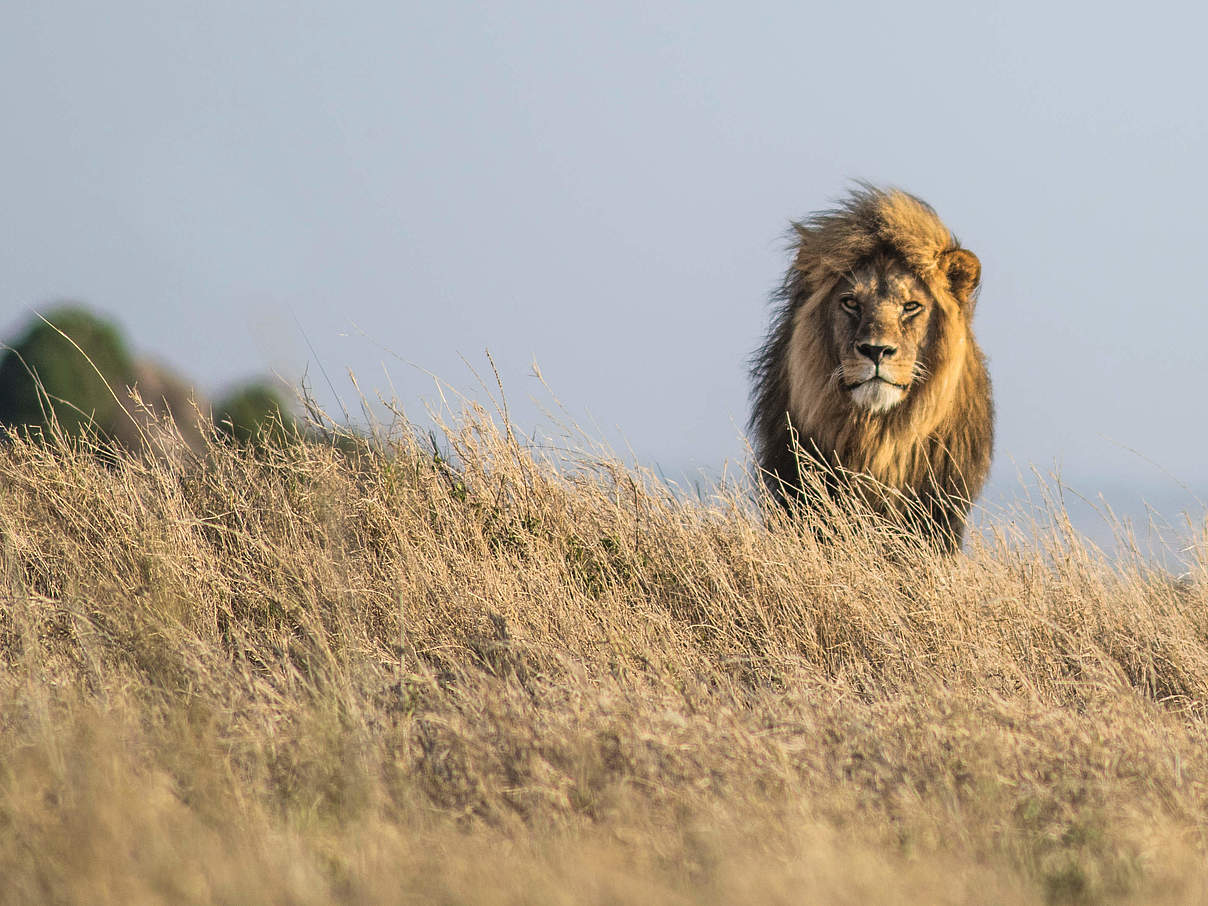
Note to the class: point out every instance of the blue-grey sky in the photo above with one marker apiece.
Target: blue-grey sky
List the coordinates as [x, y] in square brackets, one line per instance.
[605, 188]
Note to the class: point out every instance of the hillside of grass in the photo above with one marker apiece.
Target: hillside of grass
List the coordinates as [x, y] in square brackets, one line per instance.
[323, 672]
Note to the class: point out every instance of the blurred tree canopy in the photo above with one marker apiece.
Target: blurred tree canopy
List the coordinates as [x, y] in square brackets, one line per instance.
[84, 382]
[43, 371]
[254, 412]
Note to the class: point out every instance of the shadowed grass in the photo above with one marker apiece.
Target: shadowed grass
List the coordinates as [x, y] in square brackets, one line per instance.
[312, 672]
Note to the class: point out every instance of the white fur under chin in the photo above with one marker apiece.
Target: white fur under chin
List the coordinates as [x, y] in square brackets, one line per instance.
[877, 396]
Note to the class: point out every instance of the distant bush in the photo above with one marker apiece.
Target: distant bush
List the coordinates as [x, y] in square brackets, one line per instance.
[44, 373]
[254, 412]
[45, 378]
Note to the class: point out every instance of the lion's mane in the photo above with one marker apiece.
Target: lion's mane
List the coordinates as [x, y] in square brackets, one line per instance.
[932, 451]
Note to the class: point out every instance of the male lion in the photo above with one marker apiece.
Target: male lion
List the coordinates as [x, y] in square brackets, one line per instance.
[870, 369]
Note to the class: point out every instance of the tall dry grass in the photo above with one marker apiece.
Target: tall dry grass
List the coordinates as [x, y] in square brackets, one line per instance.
[312, 672]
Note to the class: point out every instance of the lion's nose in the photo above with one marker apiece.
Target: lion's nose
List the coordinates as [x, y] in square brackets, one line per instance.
[876, 353]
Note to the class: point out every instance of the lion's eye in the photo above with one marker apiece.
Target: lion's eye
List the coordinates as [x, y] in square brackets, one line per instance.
[912, 308]
[849, 303]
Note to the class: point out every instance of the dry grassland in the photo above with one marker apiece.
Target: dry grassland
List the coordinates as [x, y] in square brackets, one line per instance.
[305, 674]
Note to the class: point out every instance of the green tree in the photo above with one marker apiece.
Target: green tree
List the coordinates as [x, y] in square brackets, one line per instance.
[254, 412]
[45, 372]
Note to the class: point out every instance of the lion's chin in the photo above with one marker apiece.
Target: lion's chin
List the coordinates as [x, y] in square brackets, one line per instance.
[877, 396]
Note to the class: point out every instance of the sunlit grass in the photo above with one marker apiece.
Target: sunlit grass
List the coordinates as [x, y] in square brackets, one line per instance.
[483, 671]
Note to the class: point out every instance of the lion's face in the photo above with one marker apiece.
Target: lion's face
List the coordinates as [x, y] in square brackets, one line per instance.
[880, 317]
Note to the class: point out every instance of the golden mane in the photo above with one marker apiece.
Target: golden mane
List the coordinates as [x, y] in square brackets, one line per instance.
[934, 446]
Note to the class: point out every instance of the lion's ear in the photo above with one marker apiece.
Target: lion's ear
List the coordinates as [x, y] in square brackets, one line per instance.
[964, 273]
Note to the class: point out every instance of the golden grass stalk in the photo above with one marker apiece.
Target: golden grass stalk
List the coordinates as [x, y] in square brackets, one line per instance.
[317, 672]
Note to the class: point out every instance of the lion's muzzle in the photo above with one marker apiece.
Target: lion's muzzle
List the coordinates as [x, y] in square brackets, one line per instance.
[877, 393]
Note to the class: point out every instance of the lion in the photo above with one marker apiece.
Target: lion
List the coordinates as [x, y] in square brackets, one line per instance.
[871, 371]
